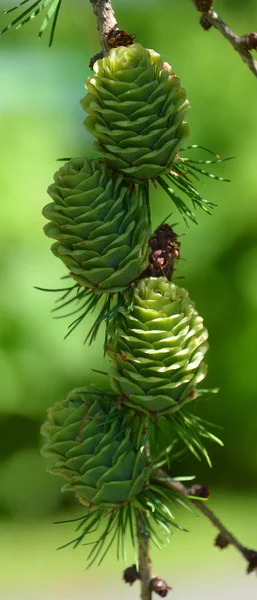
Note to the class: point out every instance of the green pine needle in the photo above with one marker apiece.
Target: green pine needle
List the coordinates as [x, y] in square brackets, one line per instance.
[88, 301]
[180, 178]
[179, 203]
[146, 200]
[118, 525]
[191, 430]
[32, 12]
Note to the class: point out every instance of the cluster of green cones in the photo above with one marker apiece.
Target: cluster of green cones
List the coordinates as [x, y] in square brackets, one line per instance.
[100, 214]
[109, 445]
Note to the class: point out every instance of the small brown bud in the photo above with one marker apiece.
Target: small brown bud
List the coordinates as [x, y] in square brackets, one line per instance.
[130, 575]
[205, 23]
[250, 41]
[200, 491]
[251, 556]
[221, 541]
[160, 587]
[203, 5]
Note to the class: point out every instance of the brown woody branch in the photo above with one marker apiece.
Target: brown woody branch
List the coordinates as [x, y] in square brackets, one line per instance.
[144, 559]
[225, 537]
[242, 44]
[110, 35]
[143, 538]
[106, 22]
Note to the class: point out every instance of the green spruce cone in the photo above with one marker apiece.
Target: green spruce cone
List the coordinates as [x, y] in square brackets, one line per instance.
[157, 344]
[91, 447]
[100, 223]
[136, 112]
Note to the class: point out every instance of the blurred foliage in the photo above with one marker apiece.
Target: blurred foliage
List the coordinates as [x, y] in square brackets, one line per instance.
[41, 120]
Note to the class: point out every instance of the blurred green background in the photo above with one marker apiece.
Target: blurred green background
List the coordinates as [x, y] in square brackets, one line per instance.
[41, 120]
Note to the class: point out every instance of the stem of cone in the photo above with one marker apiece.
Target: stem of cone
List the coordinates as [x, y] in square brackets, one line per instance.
[145, 565]
[145, 570]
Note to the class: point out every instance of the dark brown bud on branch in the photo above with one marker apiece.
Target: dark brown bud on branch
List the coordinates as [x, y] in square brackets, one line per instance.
[203, 5]
[221, 541]
[160, 587]
[130, 575]
[251, 556]
[205, 23]
[200, 491]
[250, 40]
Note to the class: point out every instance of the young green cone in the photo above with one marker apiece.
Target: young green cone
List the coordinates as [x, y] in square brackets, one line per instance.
[100, 223]
[157, 344]
[91, 447]
[137, 109]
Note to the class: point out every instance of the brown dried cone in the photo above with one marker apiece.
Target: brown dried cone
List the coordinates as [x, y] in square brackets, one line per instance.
[119, 37]
[165, 252]
[203, 5]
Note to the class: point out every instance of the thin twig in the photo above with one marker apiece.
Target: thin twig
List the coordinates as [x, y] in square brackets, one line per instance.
[242, 44]
[145, 570]
[143, 538]
[106, 21]
[227, 536]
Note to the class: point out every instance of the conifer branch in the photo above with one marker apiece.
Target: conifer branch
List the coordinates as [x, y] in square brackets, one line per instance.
[225, 537]
[144, 559]
[242, 44]
[143, 540]
[106, 21]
